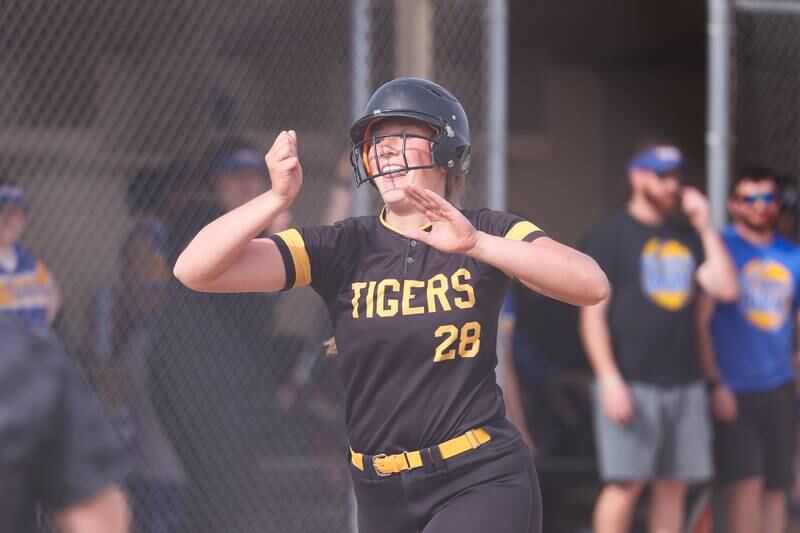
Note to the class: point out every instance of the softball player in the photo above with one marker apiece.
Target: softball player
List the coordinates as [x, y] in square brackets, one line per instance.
[414, 296]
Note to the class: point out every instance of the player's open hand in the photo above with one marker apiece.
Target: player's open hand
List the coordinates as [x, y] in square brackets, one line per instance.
[451, 232]
[284, 167]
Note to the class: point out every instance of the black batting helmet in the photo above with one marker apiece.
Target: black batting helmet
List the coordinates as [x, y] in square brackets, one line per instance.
[417, 99]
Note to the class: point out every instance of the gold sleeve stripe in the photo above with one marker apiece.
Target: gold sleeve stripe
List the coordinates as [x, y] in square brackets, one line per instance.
[302, 265]
[521, 229]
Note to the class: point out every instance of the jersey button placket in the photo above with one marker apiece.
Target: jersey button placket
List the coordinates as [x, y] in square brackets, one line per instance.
[409, 260]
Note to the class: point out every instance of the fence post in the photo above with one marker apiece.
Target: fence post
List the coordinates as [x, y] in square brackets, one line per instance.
[718, 132]
[361, 61]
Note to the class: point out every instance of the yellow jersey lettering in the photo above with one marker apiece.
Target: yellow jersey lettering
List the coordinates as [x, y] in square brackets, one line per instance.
[438, 286]
[389, 297]
[370, 299]
[462, 287]
[470, 340]
[450, 334]
[408, 286]
[468, 337]
[387, 307]
[358, 286]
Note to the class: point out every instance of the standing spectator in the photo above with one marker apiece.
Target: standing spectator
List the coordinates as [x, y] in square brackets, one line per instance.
[545, 387]
[58, 449]
[551, 404]
[543, 350]
[651, 420]
[514, 390]
[136, 299]
[208, 363]
[747, 348]
[28, 292]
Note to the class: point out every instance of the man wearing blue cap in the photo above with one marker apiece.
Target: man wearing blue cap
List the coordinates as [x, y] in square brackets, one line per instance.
[28, 292]
[651, 417]
[218, 341]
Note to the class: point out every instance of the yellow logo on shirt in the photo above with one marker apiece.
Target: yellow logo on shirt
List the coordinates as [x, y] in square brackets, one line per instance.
[667, 270]
[5, 296]
[767, 291]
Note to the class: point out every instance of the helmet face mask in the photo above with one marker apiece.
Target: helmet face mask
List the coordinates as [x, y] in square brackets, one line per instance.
[420, 101]
[367, 168]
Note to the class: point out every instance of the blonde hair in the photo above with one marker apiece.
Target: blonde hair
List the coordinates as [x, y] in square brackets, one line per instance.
[453, 189]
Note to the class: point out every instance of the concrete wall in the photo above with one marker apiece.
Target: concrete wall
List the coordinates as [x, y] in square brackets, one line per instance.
[571, 172]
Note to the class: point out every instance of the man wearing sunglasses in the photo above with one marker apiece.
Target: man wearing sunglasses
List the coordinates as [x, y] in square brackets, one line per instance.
[746, 349]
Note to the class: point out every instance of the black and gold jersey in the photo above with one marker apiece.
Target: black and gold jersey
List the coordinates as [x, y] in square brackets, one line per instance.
[416, 328]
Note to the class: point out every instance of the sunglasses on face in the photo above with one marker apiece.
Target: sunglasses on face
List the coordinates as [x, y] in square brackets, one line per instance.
[752, 199]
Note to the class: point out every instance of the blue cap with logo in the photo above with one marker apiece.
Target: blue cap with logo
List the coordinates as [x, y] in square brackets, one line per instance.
[11, 193]
[662, 160]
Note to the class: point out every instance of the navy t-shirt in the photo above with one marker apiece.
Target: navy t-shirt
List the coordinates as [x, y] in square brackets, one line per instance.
[56, 446]
[652, 274]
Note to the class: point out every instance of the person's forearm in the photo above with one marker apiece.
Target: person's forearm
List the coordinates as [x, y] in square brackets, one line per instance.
[555, 270]
[107, 512]
[708, 361]
[718, 275]
[508, 379]
[596, 339]
[54, 304]
[704, 312]
[512, 395]
[218, 244]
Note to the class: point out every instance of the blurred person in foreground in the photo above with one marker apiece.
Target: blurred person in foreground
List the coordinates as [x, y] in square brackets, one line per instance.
[56, 447]
[651, 421]
[28, 292]
[748, 353]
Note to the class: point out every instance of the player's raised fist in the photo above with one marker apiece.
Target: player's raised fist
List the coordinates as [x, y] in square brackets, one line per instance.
[283, 164]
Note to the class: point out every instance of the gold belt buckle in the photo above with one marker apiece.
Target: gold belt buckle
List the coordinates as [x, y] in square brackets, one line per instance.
[375, 467]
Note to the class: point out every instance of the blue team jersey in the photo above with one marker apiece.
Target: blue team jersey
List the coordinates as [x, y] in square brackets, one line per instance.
[26, 291]
[753, 337]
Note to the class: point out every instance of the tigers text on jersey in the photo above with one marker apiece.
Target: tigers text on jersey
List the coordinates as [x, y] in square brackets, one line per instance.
[415, 327]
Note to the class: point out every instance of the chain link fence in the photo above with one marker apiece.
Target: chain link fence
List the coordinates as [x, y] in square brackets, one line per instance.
[766, 91]
[129, 125]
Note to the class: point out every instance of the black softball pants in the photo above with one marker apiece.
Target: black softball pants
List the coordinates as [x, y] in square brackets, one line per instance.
[490, 489]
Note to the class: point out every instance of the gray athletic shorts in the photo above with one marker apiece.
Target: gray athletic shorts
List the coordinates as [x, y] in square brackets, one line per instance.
[669, 437]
